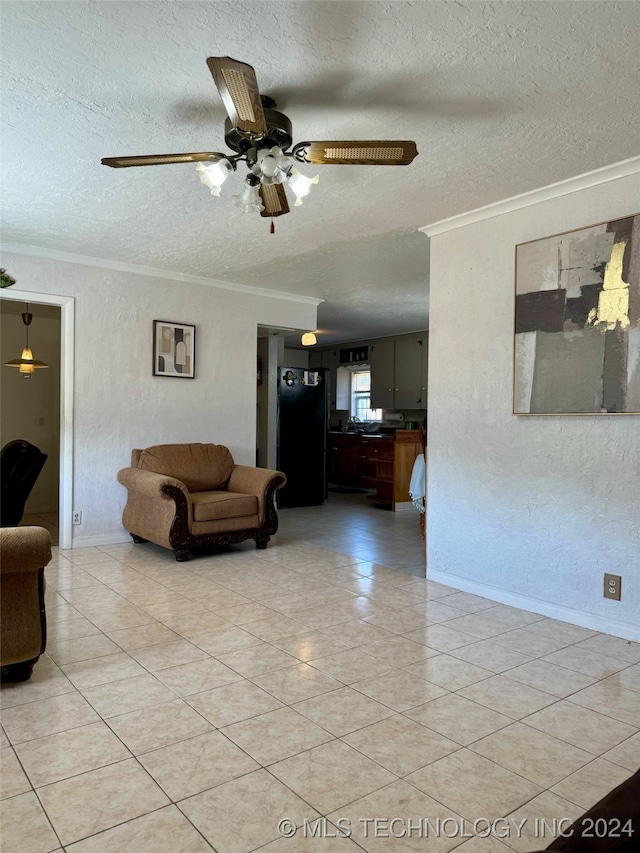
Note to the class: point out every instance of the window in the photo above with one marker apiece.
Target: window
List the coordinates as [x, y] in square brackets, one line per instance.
[361, 397]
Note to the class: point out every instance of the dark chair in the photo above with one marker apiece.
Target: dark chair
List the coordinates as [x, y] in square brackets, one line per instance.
[611, 826]
[20, 466]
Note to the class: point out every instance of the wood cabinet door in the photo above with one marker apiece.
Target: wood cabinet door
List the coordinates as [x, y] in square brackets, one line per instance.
[341, 464]
[330, 361]
[366, 458]
[315, 360]
[382, 359]
[408, 374]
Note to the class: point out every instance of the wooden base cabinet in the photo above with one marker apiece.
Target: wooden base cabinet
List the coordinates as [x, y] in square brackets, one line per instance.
[340, 462]
[394, 460]
[347, 461]
[383, 463]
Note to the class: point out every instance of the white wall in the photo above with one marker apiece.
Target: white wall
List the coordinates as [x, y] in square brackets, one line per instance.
[531, 510]
[119, 405]
[31, 407]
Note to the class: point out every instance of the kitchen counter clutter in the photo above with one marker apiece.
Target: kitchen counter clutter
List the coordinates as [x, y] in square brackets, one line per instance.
[377, 461]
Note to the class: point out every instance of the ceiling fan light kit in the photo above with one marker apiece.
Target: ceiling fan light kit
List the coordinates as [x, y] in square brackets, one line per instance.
[248, 199]
[261, 136]
[301, 185]
[272, 165]
[215, 173]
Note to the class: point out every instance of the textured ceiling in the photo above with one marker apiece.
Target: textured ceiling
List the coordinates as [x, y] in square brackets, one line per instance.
[501, 98]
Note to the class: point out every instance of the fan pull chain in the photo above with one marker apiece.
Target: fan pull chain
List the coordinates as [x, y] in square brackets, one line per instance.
[272, 228]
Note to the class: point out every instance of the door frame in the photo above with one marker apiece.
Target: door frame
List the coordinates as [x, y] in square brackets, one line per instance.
[67, 345]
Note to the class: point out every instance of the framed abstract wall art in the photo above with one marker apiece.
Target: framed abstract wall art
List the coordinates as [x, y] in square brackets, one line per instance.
[174, 349]
[577, 322]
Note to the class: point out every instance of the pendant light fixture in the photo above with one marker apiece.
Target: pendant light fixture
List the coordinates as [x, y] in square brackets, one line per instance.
[308, 339]
[26, 364]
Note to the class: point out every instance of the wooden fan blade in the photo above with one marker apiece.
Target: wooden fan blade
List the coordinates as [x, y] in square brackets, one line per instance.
[238, 87]
[364, 152]
[274, 199]
[160, 159]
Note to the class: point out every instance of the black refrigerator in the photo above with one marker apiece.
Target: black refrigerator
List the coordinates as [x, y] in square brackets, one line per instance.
[302, 435]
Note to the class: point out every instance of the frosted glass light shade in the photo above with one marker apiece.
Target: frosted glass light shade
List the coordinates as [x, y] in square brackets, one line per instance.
[301, 185]
[272, 166]
[248, 200]
[308, 339]
[213, 175]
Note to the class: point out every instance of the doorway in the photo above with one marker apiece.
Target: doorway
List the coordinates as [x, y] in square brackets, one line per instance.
[44, 415]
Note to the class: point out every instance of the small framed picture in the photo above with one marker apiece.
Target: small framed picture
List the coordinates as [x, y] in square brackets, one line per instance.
[310, 377]
[174, 349]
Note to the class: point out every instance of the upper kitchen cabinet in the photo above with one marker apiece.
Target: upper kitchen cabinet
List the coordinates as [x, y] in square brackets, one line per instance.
[411, 374]
[382, 361]
[328, 359]
[399, 373]
[315, 359]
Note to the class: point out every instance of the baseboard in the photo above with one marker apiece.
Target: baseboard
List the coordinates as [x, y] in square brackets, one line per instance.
[404, 506]
[93, 541]
[534, 605]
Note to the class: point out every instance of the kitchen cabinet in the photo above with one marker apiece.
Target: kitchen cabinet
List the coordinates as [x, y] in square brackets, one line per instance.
[394, 461]
[315, 359]
[341, 461]
[410, 374]
[383, 463]
[348, 462]
[329, 360]
[382, 360]
[399, 374]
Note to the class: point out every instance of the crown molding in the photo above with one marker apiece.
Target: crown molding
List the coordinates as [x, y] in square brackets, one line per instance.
[153, 272]
[571, 185]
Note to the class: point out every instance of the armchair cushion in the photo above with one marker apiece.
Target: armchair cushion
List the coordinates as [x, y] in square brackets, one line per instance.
[201, 467]
[210, 506]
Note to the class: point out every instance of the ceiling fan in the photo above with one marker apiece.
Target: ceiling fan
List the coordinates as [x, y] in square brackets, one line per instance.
[261, 137]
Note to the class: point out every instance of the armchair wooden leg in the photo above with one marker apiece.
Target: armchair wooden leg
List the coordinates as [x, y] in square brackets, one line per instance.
[138, 539]
[261, 541]
[182, 554]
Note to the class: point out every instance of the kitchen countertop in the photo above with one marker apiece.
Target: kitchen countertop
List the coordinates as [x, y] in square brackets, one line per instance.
[363, 434]
[391, 433]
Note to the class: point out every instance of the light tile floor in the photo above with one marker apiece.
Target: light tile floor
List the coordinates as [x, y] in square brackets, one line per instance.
[187, 707]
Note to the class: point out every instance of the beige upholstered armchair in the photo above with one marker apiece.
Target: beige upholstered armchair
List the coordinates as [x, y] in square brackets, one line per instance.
[184, 496]
[24, 552]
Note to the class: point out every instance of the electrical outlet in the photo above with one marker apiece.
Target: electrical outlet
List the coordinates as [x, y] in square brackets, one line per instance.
[612, 586]
[77, 516]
